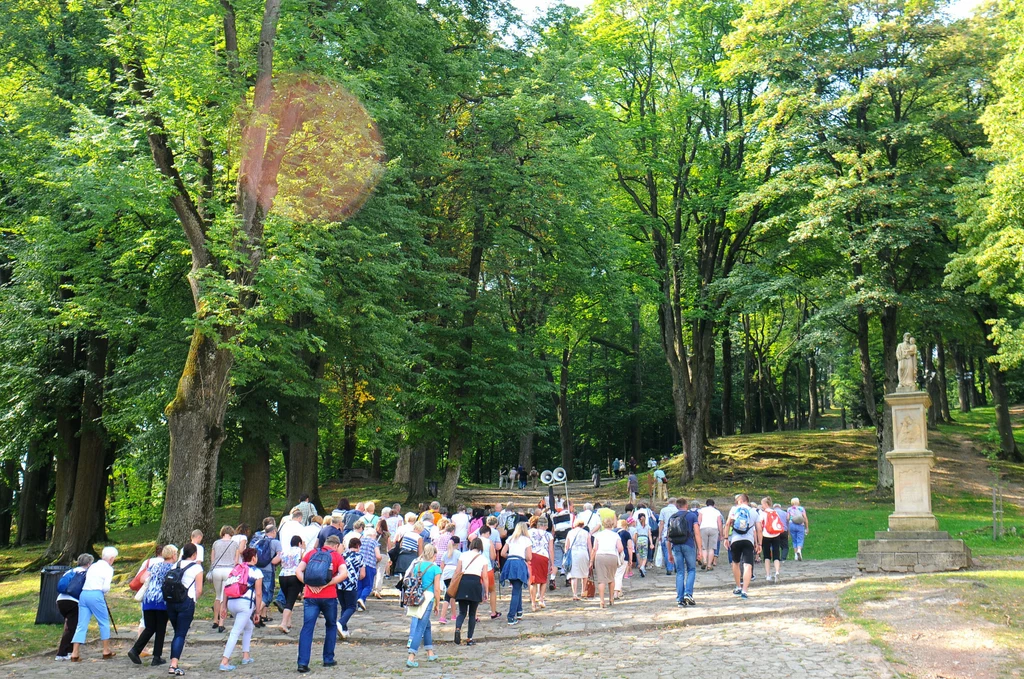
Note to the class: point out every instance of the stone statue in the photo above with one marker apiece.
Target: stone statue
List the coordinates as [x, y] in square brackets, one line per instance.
[906, 354]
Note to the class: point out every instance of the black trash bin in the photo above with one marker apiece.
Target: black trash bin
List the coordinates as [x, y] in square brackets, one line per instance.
[47, 613]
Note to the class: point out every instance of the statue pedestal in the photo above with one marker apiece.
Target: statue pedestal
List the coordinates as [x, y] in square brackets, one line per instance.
[913, 542]
[911, 463]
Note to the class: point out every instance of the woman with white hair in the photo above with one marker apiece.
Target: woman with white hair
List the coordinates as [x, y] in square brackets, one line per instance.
[92, 604]
[799, 526]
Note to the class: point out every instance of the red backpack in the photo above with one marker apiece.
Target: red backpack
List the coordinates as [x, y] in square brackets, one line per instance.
[773, 524]
[237, 584]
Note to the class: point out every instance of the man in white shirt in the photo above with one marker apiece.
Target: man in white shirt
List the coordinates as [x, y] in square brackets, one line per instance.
[461, 521]
[591, 519]
[663, 516]
[661, 484]
[197, 540]
[290, 528]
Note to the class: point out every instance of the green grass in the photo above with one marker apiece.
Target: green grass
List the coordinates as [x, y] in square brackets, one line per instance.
[979, 425]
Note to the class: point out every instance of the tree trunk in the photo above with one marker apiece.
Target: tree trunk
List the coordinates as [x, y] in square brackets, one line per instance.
[418, 472]
[83, 518]
[68, 424]
[303, 441]
[748, 399]
[99, 534]
[33, 499]
[890, 335]
[940, 367]
[977, 383]
[402, 465]
[1008, 448]
[560, 401]
[728, 426]
[8, 486]
[348, 450]
[195, 420]
[812, 393]
[456, 437]
[526, 437]
[375, 465]
[256, 485]
[963, 382]
[932, 384]
[636, 443]
[867, 377]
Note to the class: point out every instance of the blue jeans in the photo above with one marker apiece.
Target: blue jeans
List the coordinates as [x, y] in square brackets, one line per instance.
[91, 604]
[366, 584]
[180, 616]
[311, 610]
[665, 548]
[419, 630]
[268, 585]
[516, 605]
[347, 602]
[686, 569]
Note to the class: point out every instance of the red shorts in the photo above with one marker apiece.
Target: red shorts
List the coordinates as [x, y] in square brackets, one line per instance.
[538, 570]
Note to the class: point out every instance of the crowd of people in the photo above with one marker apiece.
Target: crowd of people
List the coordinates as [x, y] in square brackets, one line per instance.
[445, 565]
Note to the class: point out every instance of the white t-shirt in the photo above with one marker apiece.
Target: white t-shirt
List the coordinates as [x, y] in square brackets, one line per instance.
[309, 534]
[98, 576]
[290, 558]
[517, 546]
[578, 540]
[664, 515]
[200, 553]
[606, 542]
[591, 520]
[287, 531]
[461, 521]
[539, 539]
[477, 567]
[709, 517]
[393, 522]
[193, 570]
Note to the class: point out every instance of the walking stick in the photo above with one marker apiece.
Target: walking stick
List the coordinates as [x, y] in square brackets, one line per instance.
[111, 617]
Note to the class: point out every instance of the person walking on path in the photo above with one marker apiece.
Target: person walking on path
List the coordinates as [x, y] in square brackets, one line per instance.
[744, 531]
[92, 604]
[290, 585]
[683, 532]
[154, 608]
[661, 481]
[472, 588]
[542, 566]
[369, 550]
[666, 513]
[487, 535]
[320, 571]
[642, 539]
[628, 550]
[349, 587]
[577, 545]
[799, 526]
[307, 508]
[534, 476]
[268, 552]
[246, 606]
[711, 529]
[517, 552]
[67, 604]
[449, 562]
[426, 570]
[771, 538]
[633, 487]
[223, 558]
[183, 585]
[605, 555]
[512, 474]
[784, 538]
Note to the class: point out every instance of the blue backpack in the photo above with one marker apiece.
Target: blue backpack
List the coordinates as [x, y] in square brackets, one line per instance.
[263, 546]
[155, 586]
[318, 568]
[71, 583]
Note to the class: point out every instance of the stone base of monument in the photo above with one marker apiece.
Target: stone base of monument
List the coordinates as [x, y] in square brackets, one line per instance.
[912, 552]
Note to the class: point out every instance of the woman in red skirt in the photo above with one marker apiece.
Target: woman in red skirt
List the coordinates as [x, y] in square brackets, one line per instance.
[542, 564]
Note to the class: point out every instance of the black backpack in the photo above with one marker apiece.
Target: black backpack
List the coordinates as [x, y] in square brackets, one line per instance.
[679, 528]
[174, 590]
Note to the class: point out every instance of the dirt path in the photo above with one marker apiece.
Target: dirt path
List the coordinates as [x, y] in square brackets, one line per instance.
[933, 635]
[960, 466]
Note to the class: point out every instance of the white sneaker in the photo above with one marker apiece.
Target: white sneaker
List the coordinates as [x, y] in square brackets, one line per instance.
[360, 604]
[341, 632]
[60, 658]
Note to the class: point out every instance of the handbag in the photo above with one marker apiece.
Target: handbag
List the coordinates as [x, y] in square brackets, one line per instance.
[136, 584]
[659, 557]
[567, 557]
[453, 586]
[590, 589]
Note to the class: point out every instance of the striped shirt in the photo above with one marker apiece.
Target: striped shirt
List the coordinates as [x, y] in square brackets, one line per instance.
[410, 543]
[368, 550]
